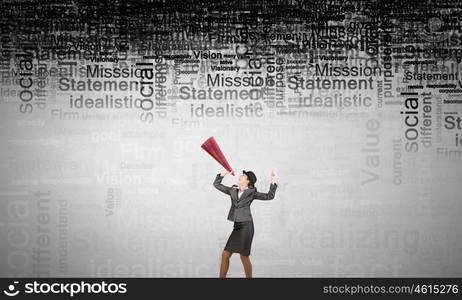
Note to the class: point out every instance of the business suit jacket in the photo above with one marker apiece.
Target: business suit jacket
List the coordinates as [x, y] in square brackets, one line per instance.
[240, 207]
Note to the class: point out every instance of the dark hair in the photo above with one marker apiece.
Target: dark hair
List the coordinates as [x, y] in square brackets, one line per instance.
[251, 177]
[250, 185]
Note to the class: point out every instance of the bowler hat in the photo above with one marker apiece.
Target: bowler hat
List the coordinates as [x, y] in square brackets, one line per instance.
[251, 176]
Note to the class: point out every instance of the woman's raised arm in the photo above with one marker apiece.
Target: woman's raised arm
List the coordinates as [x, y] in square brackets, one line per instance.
[221, 187]
[272, 190]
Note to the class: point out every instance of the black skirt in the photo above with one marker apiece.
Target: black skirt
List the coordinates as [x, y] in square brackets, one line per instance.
[241, 237]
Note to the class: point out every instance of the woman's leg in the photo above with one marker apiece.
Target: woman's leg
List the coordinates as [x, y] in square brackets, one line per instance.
[247, 265]
[224, 263]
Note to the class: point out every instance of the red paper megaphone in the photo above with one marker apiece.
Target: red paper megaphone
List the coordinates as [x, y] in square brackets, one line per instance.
[212, 148]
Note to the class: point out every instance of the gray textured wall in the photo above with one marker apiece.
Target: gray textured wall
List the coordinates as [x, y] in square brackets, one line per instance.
[116, 198]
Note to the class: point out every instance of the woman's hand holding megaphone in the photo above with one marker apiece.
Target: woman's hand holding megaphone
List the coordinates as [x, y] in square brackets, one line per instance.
[225, 172]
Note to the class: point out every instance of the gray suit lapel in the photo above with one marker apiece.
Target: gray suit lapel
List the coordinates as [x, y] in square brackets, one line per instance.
[234, 195]
[243, 195]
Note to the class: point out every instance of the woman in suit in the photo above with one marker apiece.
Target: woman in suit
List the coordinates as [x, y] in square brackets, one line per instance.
[242, 194]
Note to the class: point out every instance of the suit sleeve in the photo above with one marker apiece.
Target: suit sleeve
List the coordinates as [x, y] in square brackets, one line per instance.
[269, 195]
[217, 183]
